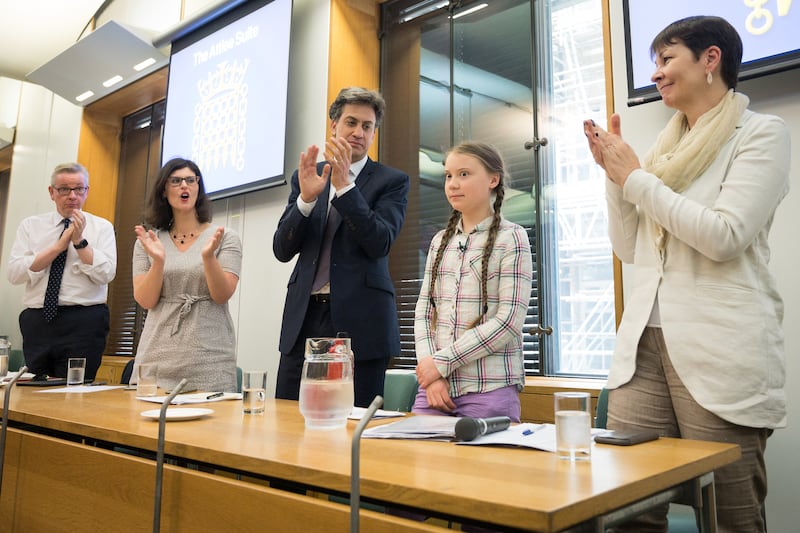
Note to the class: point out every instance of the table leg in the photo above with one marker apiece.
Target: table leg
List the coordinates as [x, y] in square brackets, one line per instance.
[708, 514]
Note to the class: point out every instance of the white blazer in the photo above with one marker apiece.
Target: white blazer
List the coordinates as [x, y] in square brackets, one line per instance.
[721, 314]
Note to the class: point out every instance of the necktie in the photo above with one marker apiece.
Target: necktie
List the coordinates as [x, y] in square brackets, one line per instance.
[323, 274]
[50, 308]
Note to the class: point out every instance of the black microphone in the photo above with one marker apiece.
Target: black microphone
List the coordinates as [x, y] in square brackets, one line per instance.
[469, 428]
[462, 246]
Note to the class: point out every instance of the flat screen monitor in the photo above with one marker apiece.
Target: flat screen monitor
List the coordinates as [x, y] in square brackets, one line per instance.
[227, 95]
[770, 33]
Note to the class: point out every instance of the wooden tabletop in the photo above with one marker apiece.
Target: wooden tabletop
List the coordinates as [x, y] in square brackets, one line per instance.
[520, 488]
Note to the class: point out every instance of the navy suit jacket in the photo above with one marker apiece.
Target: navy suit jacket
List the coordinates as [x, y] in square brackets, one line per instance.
[362, 292]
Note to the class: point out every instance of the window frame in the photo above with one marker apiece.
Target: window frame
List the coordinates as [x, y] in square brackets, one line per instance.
[408, 286]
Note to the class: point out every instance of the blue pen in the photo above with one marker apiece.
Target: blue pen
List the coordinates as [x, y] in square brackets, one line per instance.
[528, 432]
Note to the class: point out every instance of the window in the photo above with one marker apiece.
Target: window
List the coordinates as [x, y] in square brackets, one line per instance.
[139, 159]
[522, 75]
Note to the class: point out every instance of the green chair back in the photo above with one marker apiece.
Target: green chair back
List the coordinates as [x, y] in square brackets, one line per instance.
[601, 418]
[15, 360]
[399, 390]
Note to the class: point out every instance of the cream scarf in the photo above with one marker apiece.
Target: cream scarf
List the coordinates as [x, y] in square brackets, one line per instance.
[681, 154]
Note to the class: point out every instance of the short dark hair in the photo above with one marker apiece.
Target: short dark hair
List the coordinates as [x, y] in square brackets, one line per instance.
[158, 212]
[700, 32]
[358, 96]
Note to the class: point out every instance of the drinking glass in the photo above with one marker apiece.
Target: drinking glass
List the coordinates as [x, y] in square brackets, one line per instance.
[254, 391]
[147, 379]
[5, 351]
[76, 370]
[326, 384]
[573, 425]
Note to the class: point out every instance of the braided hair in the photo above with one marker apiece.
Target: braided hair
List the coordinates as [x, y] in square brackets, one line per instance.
[492, 162]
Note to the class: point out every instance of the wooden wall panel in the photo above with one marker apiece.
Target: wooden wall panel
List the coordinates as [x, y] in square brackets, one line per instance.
[98, 151]
[354, 57]
[5, 157]
[537, 398]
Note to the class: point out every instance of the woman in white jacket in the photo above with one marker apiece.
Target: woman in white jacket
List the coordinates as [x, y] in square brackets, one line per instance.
[699, 351]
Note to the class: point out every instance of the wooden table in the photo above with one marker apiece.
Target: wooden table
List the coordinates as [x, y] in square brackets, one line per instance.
[511, 488]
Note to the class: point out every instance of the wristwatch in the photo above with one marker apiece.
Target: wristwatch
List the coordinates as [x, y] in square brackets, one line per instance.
[83, 244]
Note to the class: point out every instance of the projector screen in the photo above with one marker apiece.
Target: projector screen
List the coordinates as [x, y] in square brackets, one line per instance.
[770, 33]
[226, 98]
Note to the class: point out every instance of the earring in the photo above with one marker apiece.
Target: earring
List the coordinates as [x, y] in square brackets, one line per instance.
[709, 78]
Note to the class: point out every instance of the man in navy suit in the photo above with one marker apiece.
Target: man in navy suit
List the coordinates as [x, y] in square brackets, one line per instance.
[346, 287]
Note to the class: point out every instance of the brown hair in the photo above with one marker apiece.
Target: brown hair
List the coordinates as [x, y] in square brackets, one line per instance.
[492, 162]
[158, 212]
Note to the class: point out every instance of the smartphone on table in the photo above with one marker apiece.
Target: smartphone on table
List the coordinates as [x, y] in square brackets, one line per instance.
[626, 437]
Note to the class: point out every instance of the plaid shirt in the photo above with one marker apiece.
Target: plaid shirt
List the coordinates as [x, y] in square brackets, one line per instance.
[488, 356]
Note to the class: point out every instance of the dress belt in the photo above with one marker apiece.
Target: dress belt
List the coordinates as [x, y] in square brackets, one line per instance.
[321, 298]
[187, 300]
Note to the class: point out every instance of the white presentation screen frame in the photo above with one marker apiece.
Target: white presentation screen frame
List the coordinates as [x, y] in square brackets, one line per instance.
[227, 98]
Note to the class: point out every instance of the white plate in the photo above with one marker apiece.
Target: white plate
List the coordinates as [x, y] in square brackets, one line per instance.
[178, 413]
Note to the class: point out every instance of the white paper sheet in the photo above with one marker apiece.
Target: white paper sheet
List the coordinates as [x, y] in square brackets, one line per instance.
[10, 376]
[194, 397]
[358, 413]
[416, 427]
[81, 388]
[527, 435]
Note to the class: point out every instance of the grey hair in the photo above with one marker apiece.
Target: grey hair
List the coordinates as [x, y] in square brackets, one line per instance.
[70, 168]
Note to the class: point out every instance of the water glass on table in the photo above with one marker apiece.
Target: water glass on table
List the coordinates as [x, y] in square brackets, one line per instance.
[76, 371]
[147, 379]
[254, 391]
[5, 351]
[573, 425]
[326, 383]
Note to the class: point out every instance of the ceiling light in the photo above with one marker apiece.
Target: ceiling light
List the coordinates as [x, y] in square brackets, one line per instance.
[88, 66]
[112, 81]
[84, 96]
[144, 64]
[469, 11]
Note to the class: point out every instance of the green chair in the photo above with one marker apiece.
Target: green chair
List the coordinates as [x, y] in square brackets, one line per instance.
[681, 518]
[601, 416]
[399, 390]
[15, 360]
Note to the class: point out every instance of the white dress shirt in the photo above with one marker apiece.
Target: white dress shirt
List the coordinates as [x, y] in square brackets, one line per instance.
[355, 170]
[81, 284]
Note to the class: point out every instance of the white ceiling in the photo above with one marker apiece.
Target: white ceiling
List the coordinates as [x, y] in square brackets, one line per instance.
[32, 32]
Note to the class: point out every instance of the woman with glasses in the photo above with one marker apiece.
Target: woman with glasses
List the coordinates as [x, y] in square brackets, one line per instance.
[185, 270]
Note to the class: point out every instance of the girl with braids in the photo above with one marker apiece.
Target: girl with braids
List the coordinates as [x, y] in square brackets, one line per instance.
[475, 296]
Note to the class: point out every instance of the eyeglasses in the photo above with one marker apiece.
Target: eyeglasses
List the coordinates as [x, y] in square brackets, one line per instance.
[175, 181]
[64, 191]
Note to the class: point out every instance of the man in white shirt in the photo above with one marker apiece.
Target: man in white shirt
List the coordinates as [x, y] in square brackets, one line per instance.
[66, 259]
